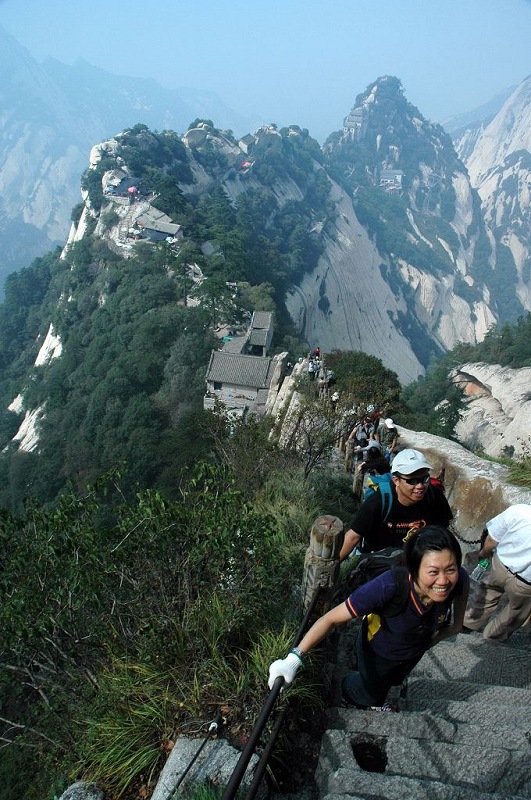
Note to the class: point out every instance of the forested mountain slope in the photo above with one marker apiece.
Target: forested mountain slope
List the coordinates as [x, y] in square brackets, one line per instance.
[374, 242]
[126, 378]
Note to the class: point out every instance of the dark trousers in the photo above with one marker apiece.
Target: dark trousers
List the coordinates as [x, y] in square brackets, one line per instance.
[370, 684]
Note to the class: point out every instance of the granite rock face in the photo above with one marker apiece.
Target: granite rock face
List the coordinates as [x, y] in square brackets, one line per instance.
[497, 418]
[477, 489]
[360, 306]
[497, 155]
[213, 767]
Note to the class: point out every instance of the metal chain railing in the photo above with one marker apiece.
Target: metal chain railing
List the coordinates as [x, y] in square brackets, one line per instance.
[468, 541]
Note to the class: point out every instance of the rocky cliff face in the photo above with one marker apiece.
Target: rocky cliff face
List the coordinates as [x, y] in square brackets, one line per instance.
[507, 133]
[497, 417]
[407, 267]
[346, 304]
[40, 150]
[497, 156]
[405, 251]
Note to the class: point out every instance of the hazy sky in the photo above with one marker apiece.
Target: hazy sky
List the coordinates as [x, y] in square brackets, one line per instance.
[292, 61]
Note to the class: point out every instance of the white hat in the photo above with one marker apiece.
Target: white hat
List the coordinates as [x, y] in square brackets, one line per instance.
[389, 423]
[408, 461]
[372, 443]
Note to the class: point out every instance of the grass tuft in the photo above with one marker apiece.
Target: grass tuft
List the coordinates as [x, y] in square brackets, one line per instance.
[125, 741]
[520, 472]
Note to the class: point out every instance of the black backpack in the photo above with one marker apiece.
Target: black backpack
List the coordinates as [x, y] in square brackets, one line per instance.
[369, 566]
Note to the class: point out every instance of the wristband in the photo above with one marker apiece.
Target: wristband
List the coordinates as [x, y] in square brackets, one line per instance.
[298, 652]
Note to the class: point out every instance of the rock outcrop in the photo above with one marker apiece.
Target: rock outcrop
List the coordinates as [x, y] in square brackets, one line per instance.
[213, 767]
[81, 790]
[497, 417]
[477, 489]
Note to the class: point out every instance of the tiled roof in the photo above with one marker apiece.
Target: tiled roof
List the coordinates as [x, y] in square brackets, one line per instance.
[258, 337]
[235, 345]
[262, 319]
[156, 220]
[240, 370]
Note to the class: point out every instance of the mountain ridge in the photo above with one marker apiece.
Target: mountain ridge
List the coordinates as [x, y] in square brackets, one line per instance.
[374, 242]
[47, 128]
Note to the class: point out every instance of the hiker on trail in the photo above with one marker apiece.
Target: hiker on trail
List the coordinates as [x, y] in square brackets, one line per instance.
[311, 369]
[362, 431]
[396, 631]
[357, 439]
[322, 381]
[413, 505]
[374, 463]
[387, 435]
[508, 548]
[348, 418]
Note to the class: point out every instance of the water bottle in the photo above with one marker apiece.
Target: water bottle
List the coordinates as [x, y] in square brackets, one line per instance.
[481, 569]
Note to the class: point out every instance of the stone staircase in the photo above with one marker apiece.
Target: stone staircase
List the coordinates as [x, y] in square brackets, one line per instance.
[463, 731]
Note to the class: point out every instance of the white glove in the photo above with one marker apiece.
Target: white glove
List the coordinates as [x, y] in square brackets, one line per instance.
[285, 668]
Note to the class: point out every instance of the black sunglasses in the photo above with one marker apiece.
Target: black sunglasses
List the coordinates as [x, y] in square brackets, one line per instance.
[415, 481]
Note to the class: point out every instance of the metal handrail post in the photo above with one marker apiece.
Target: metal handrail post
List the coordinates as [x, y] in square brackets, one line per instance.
[321, 565]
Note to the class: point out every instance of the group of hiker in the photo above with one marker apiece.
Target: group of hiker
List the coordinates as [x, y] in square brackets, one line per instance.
[366, 433]
[423, 598]
[324, 378]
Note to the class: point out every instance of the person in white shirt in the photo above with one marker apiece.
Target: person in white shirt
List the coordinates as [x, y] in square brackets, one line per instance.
[508, 547]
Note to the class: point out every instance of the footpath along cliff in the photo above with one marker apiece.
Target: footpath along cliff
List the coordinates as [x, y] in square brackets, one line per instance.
[464, 727]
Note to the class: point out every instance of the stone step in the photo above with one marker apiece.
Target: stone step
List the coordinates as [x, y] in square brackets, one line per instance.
[464, 731]
[473, 659]
[485, 712]
[387, 766]
[520, 639]
[505, 727]
[374, 788]
[436, 694]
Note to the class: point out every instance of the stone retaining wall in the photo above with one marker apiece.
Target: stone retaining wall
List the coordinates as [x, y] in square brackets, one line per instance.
[477, 489]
